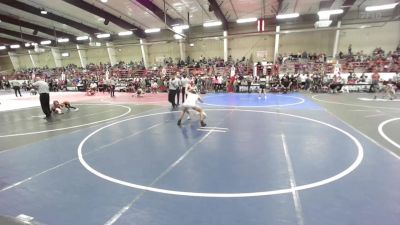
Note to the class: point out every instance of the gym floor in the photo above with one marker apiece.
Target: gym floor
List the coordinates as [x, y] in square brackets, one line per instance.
[294, 159]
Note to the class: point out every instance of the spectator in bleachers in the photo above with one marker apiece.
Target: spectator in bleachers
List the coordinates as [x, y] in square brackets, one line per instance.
[154, 87]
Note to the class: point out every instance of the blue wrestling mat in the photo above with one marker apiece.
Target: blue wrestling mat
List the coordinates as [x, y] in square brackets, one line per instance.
[290, 101]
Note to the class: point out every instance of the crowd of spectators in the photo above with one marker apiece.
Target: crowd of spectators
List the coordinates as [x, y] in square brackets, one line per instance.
[308, 72]
[350, 62]
[378, 60]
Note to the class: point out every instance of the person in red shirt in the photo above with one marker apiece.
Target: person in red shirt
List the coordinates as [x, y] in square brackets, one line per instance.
[375, 82]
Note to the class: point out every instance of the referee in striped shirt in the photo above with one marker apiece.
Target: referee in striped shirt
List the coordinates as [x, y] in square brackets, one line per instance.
[43, 90]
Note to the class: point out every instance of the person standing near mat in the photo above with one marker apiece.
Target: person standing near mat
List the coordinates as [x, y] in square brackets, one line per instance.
[112, 86]
[185, 83]
[374, 82]
[172, 86]
[17, 88]
[263, 86]
[178, 88]
[43, 90]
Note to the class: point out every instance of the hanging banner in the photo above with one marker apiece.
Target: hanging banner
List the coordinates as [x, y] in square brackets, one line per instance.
[260, 25]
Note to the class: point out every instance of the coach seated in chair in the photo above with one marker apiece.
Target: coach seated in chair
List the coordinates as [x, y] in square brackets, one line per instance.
[336, 84]
[92, 89]
[286, 84]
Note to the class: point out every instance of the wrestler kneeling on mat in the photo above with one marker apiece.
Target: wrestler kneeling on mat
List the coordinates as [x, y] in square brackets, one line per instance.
[57, 106]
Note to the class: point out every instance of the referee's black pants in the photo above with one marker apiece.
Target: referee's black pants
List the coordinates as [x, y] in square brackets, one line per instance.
[177, 93]
[112, 90]
[171, 97]
[45, 103]
[183, 94]
[17, 89]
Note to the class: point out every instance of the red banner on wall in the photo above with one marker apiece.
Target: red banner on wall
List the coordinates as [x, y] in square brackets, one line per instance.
[261, 25]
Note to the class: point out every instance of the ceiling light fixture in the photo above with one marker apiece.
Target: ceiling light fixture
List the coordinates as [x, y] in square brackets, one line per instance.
[380, 7]
[323, 23]
[153, 30]
[65, 54]
[47, 42]
[63, 40]
[212, 24]
[27, 45]
[103, 35]
[15, 46]
[43, 12]
[125, 33]
[287, 16]
[180, 27]
[104, 1]
[82, 38]
[2, 47]
[246, 20]
[330, 12]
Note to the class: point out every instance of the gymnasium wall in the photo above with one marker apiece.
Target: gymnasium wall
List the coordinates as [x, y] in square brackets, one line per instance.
[5, 63]
[73, 58]
[157, 52]
[46, 59]
[252, 47]
[25, 61]
[206, 48]
[96, 55]
[129, 53]
[387, 37]
[312, 42]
